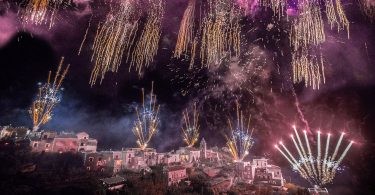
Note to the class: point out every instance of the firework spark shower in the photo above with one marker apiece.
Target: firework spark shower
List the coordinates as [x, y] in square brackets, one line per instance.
[165, 74]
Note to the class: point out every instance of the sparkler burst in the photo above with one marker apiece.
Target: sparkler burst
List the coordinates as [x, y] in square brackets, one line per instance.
[190, 129]
[240, 140]
[112, 38]
[319, 169]
[41, 12]
[49, 95]
[147, 122]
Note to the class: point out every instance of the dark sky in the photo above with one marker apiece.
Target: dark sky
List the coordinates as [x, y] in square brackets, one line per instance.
[264, 88]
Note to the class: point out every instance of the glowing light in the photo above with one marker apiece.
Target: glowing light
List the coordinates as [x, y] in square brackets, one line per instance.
[316, 170]
[47, 98]
[147, 122]
[190, 129]
[240, 140]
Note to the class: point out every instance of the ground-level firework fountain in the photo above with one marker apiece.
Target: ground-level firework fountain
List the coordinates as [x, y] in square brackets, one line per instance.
[239, 140]
[146, 124]
[190, 128]
[48, 96]
[317, 168]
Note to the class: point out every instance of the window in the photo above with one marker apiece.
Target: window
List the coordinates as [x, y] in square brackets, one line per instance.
[47, 145]
[91, 159]
[35, 145]
[82, 144]
[88, 168]
[45, 136]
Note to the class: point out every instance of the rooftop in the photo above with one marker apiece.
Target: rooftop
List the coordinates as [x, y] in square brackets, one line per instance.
[113, 180]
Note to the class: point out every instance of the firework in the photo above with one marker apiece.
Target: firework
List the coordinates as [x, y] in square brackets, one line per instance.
[308, 29]
[240, 140]
[336, 15]
[190, 129]
[277, 6]
[41, 12]
[316, 168]
[186, 36]
[221, 32]
[147, 120]
[47, 98]
[146, 47]
[112, 38]
[308, 67]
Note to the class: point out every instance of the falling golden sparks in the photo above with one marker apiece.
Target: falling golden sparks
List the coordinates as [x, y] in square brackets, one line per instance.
[186, 33]
[336, 15]
[240, 140]
[41, 12]
[147, 46]
[308, 68]
[47, 98]
[221, 33]
[190, 129]
[277, 6]
[308, 29]
[112, 39]
[320, 169]
[147, 120]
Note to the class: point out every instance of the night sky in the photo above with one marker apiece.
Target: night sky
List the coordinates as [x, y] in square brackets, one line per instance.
[263, 85]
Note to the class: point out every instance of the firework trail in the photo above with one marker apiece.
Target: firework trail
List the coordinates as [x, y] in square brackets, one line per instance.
[147, 122]
[316, 168]
[221, 32]
[217, 36]
[147, 46]
[277, 6]
[41, 12]
[49, 95]
[112, 38]
[308, 67]
[190, 129]
[240, 140]
[186, 37]
[300, 113]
